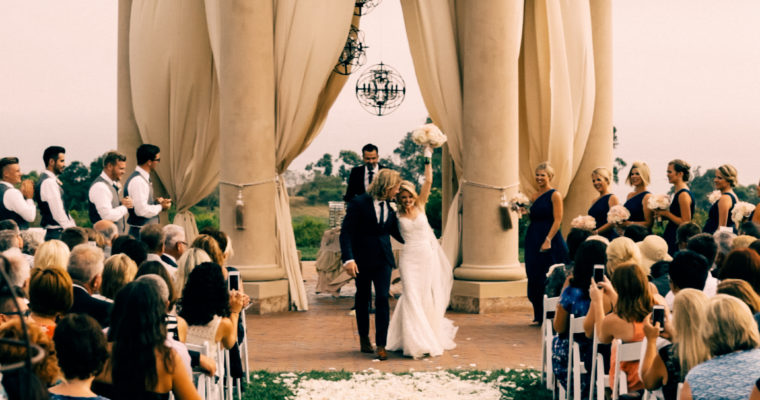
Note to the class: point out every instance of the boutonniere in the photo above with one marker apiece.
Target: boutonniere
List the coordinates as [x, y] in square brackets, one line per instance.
[393, 206]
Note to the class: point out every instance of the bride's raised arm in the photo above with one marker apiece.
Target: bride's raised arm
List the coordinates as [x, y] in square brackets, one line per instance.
[427, 183]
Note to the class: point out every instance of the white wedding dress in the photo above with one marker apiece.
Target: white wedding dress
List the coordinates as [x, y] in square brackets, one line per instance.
[418, 325]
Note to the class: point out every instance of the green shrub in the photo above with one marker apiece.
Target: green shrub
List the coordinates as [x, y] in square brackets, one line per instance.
[308, 230]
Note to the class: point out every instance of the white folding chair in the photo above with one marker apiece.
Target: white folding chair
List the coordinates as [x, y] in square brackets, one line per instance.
[547, 334]
[207, 386]
[574, 365]
[624, 352]
[244, 350]
[599, 380]
[227, 377]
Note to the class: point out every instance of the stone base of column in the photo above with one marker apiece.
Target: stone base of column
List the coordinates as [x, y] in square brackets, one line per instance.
[488, 297]
[267, 297]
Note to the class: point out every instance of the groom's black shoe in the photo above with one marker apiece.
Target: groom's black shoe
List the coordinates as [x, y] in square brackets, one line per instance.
[366, 346]
[382, 355]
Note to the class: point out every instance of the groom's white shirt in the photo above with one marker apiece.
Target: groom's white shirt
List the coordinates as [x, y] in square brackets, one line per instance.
[377, 215]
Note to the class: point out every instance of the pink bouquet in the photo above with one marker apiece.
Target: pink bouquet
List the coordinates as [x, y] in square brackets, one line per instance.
[618, 214]
[585, 222]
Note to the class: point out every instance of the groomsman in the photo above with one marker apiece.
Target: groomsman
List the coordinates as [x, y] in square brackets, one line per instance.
[49, 194]
[145, 208]
[362, 176]
[16, 204]
[103, 197]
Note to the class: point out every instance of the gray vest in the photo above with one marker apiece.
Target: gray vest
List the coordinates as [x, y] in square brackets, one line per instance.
[115, 202]
[134, 219]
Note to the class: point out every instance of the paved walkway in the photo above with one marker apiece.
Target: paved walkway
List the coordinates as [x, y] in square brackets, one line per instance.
[325, 338]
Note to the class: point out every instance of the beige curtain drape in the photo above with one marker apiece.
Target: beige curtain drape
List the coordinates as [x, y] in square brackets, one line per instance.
[431, 28]
[558, 89]
[176, 98]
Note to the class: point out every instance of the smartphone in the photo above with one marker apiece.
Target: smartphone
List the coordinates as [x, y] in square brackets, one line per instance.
[599, 273]
[234, 280]
[658, 315]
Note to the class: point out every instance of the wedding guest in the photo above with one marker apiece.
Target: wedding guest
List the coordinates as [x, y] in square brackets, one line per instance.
[118, 271]
[681, 207]
[153, 236]
[362, 175]
[744, 292]
[95, 238]
[742, 242]
[82, 352]
[145, 208]
[103, 196]
[51, 295]
[210, 245]
[622, 250]
[635, 232]
[686, 232]
[750, 228]
[48, 193]
[109, 231]
[732, 335]
[133, 248]
[543, 245]
[47, 368]
[192, 258]
[16, 204]
[688, 270]
[175, 244]
[720, 212]
[755, 216]
[73, 236]
[742, 264]
[17, 268]
[665, 367]
[86, 271]
[600, 177]
[31, 242]
[653, 249]
[636, 201]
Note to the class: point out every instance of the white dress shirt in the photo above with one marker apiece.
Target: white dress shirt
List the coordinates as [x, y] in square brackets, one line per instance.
[366, 175]
[14, 201]
[100, 195]
[50, 193]
[138, 190]
[155, 257]
[386, 206]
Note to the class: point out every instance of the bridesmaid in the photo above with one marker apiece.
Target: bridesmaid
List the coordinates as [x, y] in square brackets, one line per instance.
[636, 202]
[544, 244]
[682, 206]
[755, 216]
[720, 212]
[600, 177]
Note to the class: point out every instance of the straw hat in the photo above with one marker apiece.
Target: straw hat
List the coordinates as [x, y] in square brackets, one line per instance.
[653, 249]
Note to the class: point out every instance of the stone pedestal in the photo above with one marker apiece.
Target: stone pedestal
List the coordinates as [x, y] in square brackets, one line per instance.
[267, 297]
[488, 297]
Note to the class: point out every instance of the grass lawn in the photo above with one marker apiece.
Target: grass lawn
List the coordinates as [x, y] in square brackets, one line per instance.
[371, 384]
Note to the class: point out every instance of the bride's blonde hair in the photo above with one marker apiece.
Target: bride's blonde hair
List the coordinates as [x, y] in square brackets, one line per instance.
[406, 186]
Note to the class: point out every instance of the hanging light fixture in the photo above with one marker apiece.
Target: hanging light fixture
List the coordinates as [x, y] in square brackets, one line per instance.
[380, 90]
[354, 53]
[363, 7]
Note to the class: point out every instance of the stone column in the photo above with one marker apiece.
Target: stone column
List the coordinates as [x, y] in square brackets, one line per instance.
[127, 134]
[490, 272]
[599, 147]
[246, 141]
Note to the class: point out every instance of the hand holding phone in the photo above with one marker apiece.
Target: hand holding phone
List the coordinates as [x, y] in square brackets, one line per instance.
[234, 280]
[658, 315]
[598, 273]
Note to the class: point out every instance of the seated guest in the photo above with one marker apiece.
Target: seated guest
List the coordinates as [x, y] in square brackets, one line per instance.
[192, 258]
[109, 231]
[73, 236]
[688, 270]
[704, 244]
[134, 249]
[82, 352]
[155, 268]
[742, 242]
[666, 366]
[118, 271]
[10, 239]
[622, 250]
[755, 246]
[725, 241]
[176, 327]
[175, 244]
[46, 369]
[750, 228]
[731, 333]
[211, 246]
[636, 232]
[686, 232]
[744, 292]
[31, 241]
[12, 303]
[142, 366]
[653, 249]
[17, 268]
[742, 264]
[52, 254]
[95, 238]
[51, 294]
[153, 237]
[660, 277]
[86, 271]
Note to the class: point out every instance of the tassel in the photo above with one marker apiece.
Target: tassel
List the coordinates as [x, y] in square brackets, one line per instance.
[506, 217]
[239, 212]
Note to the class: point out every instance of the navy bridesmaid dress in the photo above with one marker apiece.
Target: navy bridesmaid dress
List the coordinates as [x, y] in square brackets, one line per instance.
[670, 229]
[599, 211]
[711, 225]
[537, 262]
[636, 207]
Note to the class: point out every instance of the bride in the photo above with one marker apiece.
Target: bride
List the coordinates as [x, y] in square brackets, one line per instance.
[418, 325]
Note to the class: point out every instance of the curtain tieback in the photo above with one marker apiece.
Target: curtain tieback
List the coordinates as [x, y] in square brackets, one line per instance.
[239, 203]
[506, 219]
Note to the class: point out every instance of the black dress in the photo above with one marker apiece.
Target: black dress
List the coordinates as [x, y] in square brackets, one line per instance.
[670, 229]
[711, 225]
[599, 211]
[537, 262]
[636, 207]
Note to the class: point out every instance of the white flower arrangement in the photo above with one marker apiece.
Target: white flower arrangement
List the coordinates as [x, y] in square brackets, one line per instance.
[428, 135]
[519, 203]
[714, 196]
[585, 222]
[658, 202]
[741, 211]
[618, 214]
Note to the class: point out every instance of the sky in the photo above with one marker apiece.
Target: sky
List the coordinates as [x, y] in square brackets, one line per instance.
[686, 83]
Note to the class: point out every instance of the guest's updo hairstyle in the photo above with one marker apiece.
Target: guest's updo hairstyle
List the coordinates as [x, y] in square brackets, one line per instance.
[729, 173]
[546, 167]
[643, 172]
[602, 172]
[682, 167]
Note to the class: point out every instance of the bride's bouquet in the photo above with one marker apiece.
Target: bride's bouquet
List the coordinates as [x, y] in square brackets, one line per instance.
[618, 214]
[658, 202]
[519, 203]
[741, 211]
[428, 135]
[585, 222]
[714, 196]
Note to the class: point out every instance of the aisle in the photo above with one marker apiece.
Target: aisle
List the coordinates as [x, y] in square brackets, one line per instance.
[324, 338]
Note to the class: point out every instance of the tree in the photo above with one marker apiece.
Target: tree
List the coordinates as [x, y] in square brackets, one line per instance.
[619, 164]
[322, 189]
[325, 163]
[348, 159]
[76, 182]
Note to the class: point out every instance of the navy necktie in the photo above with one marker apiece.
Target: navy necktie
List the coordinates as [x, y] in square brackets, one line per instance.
[371, 174]
[382, 212]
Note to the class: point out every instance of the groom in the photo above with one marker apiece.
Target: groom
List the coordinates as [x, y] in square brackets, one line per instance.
[367, 255]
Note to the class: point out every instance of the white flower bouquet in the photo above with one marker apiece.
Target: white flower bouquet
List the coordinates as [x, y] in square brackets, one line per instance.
[428, 135]
[519, 203]
[741, 211]
[714, 196]
[658, 202]
[618, 214]
[585, 222]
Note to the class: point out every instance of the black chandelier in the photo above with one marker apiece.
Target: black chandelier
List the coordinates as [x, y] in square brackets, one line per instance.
[354, 53]
[363, 7]
[380, 90]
